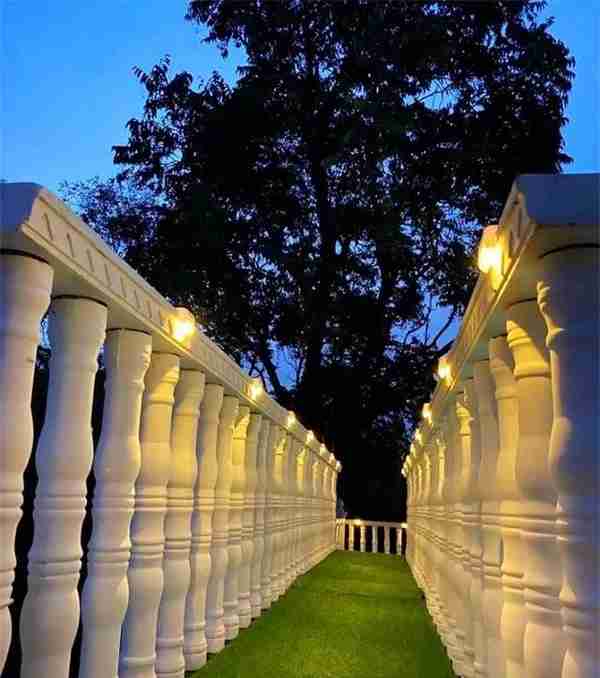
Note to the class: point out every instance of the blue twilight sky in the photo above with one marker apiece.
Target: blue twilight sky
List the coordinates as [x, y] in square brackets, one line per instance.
[68, 89]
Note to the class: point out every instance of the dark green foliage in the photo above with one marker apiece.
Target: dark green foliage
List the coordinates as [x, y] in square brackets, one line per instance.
[356, 615]
[315, 212]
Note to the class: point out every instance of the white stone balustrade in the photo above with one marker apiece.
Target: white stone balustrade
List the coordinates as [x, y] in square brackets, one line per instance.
[506, 549]
[345, 531]
[209, 500]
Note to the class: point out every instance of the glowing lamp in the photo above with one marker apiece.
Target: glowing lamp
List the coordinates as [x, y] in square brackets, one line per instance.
[256, 389]
[427, 413]
[310, 436]
[418, 437]
[489, 255]
[291, 418]
[444, 370]
[183, 324]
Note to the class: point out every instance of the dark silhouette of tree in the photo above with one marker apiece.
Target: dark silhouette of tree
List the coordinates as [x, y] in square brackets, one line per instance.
[317, 212]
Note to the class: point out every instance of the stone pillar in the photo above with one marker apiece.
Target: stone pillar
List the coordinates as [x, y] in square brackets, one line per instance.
[26, 283]
[290, 513]
[278, 518]
[248, 547]
[568, 299]
[236, 507]
[491, 539]
[512, 619]
[195, 647]
[189, 392]
[116, 467]
[146, 576]
[363, 538]
[543, 648]
[374, 539]
[50, 613]
[215, 623]
[386, 540]
[268, 568]
[256, 601]
[300, 514]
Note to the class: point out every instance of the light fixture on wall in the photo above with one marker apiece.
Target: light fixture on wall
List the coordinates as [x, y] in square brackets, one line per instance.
[183, 324]
[427, 413]
[310, 436]
[256, 389]
[419, 437]
[291, 419]
[444, 370]
[489, 255]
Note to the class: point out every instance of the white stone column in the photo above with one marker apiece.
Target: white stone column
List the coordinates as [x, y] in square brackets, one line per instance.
[277, 498]
[300, 523]
[231, 594]
[267, 568]
[195, 647]
[145, 576]
[248, 545]
[542, 576]
[116, 466]
[290, 512]
[568, 298]
[512, 619]
[170, 662]
[25, 286]
[215, 622]
[386, 540]
[374, 538]
[50, 613]
[256, 601]
[490, 524]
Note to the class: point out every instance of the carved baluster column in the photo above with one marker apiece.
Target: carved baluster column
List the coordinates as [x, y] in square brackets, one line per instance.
[386, 540]
[300, 525]
[244, 606]
[267, 568]
[543, 648]
[50, 613]
[568, 298]
[215, 613]
[25, 286]
[145, 576]
[256, 602]
[291, 512]
[195, 647]
[475, 552]
[278, 469]
[363, 530]
[490, 525]
[441, 541]
[189, 392]
[512, 618]
[116, 467]
[375, 539]
[234, 541]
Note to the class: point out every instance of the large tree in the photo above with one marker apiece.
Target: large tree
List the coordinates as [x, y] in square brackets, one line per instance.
[317, 212]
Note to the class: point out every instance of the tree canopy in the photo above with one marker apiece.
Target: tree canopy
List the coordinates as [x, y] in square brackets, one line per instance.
[317, 212]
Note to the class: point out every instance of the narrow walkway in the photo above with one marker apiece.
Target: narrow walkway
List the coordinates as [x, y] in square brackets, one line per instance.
[356, 615]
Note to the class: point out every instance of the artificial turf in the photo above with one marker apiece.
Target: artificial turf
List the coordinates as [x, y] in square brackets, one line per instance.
[355, 615]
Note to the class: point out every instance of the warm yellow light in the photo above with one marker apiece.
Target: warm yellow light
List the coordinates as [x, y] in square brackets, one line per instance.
[183, 324]
[358, 522]
[291, 418]
[489, 255]
[310, 437]
[256, 389]
[418, 437]
[427, 413]
[444, 370]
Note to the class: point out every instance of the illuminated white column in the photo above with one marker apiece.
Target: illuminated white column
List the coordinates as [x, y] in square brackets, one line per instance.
[300, 512]
[116, 466]
[308, 508]
[256, 602]
[195, 647]
[290, 512]
[278, 520]
[512, 619]
[374, 538]
[544, 647]
[491, 538]
[267, 577]
[215, 622]
[189, 391]
[362, 538]
[568, 299]
[386, 540]
[50, 613]
[441, 556]
[25, 286]
[145, 576]
[248, 547]
[234, 540]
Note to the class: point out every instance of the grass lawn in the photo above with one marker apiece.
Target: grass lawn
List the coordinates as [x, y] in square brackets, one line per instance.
[356, 615]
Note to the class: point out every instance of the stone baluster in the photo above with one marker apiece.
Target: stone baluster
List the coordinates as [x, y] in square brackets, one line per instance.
[278, 536]
[363, 545]
[248, 544]
[374, 538]
[267, 581]
[512, 618]
[116, 467]
[195, 647]
[145, 576]
[215, 622]
[490, 526]
[542, 576]
[189, 392]
[290, 518]
[25, 286]
[475, 540]
[256, 601]
[301, 527]
[568, 299]
[236, 507]
[386, 540]
[441, 573]
[308, 493]
[351, 535]
[50, 613]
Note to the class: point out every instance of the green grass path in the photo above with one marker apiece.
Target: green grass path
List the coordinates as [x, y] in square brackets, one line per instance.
[356, 615]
